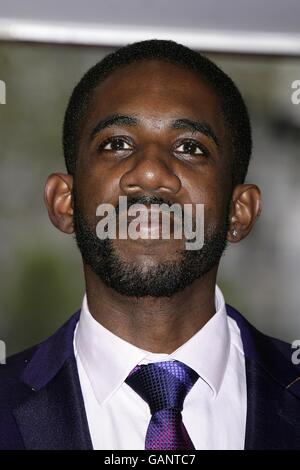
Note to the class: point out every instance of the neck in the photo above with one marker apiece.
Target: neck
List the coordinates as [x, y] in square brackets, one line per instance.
[159, 325]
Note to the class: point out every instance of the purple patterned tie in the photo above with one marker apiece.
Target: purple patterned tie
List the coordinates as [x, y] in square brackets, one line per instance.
[164, 386]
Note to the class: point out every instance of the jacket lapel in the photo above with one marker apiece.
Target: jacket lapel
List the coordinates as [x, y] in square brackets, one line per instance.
[273, 404]
[53, 414]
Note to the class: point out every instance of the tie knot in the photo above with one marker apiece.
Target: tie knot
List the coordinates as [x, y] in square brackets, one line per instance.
[163, 385]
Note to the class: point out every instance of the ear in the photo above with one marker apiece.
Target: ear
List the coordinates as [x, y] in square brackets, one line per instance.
[58, 199]
[245, 209]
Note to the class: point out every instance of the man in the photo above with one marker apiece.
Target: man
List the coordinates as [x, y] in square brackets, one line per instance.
[154, 359]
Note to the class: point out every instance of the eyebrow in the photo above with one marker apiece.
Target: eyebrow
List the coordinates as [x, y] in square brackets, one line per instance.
[196, 126]
[113, 120]
[125, 120]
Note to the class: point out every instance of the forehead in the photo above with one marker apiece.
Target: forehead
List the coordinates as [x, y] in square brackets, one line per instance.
[157, 91]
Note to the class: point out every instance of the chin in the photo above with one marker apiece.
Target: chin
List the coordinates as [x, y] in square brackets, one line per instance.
[150, 251]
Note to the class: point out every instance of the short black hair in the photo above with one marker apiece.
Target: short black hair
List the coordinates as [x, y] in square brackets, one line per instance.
[232, 104]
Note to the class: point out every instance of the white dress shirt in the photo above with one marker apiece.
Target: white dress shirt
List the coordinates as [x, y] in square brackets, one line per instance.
[214, 411]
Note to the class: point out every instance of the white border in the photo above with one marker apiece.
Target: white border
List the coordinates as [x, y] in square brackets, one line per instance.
[115, 35]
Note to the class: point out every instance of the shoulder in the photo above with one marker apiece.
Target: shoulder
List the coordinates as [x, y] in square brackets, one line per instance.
[53, 350]
[249, 331]
[11, 376]
[274, 355]
[285, 348]
[31, 369]
[12, 393]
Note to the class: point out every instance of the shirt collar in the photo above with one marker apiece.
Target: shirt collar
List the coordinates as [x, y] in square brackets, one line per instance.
[207, 351]
[108, 359]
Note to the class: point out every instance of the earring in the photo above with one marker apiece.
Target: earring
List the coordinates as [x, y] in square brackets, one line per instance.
[234, 232]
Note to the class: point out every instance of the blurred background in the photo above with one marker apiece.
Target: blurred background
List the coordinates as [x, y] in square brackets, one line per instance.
[45, 47]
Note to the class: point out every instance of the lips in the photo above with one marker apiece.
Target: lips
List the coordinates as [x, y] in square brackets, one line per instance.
[152, 223]
[151, 227]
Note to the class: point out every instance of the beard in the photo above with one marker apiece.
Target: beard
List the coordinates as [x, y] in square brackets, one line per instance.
[135, 280]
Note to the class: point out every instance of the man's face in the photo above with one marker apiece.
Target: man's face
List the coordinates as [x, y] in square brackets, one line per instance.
[154, 132]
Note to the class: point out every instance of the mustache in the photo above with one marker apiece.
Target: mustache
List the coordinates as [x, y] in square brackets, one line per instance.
[146, 200]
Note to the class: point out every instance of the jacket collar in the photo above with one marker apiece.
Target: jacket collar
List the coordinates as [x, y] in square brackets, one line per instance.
[50, 355]
[266, 353]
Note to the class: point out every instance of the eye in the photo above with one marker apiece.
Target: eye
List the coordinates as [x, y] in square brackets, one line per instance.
[115, 144]
[190, 147]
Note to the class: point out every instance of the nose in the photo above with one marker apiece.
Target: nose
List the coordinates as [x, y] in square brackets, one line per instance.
[151, 174]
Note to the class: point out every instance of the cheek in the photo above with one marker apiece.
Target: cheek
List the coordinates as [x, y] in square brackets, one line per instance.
[214, 196]
[95, 186]
[217, 204]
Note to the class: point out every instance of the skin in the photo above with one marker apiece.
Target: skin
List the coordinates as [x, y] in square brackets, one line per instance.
[155, 93]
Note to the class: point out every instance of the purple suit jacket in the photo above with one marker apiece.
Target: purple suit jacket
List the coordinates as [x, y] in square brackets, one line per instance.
[41, 403]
